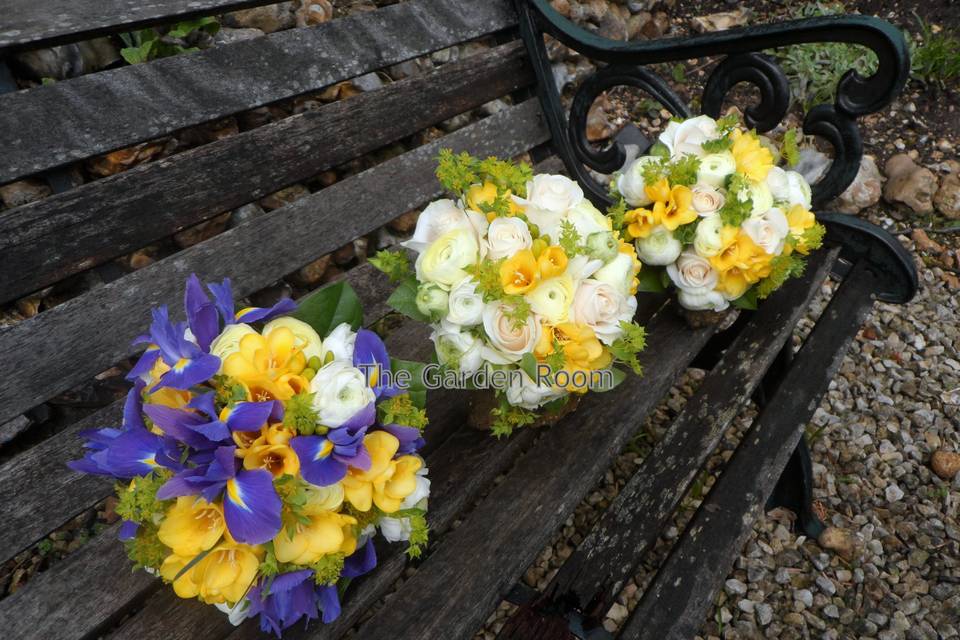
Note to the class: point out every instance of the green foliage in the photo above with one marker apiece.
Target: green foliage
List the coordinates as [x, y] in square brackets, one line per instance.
[329, 307]
[417, 389]
[269, 566]
[813, 237]
[790, 148]
[299, 415]
[686, 233]
[149, 44]
[395, 264]
[401, 410]
[404, 300]
[507, 417]
[419, 533]
[45, 546]
[528, 363]
[683, 170]
[487, 274]
[651, 279]
[679, 73]
[556, 360]
[653, 171]
[506, 175]
[293, 494]
[326, 570]
[717, 145]
[632, 342]
[570, 239]
[140, 503]
[618, 376]
[145, 549]
[782, 268]
[748, 300]
[228, 391]
[458, 172]
[726, 124]
[936, 57]
[517, 310]
[736, 208]
[617, 212]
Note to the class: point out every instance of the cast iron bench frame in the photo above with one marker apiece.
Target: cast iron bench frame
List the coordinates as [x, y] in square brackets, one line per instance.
[486, 531]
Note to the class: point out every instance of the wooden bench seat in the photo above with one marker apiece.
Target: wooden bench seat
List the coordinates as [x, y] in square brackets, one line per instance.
[494, 505]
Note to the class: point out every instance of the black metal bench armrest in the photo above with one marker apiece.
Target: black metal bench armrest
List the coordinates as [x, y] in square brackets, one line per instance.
[856, 95]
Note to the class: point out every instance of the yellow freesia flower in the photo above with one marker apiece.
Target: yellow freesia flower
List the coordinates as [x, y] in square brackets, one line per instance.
[192, 525]
[799, 220]
[732, 283]
[752, 158]
[737, 250]
[278, 459]
[305, 543]
[269, 365]
[486, 194]
[641, 222]
[582, 351]
[387, 482]
[677, 209]
[552, 262]
[222, 576]
[629, 249]
[672, 207]
[519, 273]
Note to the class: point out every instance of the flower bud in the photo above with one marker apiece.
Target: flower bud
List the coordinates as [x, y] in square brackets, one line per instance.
[432, 300]
[602, 245]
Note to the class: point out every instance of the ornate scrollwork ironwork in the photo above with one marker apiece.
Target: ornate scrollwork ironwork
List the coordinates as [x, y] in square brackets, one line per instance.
[760, 71]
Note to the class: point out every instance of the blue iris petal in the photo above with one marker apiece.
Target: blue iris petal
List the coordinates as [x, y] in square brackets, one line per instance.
[361, 562]
[145, 363]
[250, 416]
[316, 467]
[202, 315]
[128, 530]
[286, 305]
[290, 596]
[329, 603]
[223, 299]
[251, 507]
[370, 356]
[133, 453]
[133, 407]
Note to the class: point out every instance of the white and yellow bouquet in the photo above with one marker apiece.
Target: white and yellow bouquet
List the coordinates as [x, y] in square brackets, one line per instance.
[527, 286]
[710, 206]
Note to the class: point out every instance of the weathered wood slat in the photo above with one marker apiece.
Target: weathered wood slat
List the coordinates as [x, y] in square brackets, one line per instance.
[26, 22]
[474, 566]
[66, 345]
[675, 604]
[43, 242]
[607, 557]
[53, 125]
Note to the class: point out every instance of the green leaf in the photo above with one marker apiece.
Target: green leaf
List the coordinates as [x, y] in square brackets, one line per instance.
[747, 301]
[417, 388]
[330, 306]
[650, 280]
[404, 300]
[618, 376]
[132, 55]
[193, 562]
[529, 365]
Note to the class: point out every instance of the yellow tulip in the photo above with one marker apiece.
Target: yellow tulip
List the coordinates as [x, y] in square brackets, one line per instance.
[552, 262]
[191, 525]
[519, 273]
[387, 482]
[752, 158]
[325, 533]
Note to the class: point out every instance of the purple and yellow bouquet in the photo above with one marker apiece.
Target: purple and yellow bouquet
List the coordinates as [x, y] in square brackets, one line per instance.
[257, 464]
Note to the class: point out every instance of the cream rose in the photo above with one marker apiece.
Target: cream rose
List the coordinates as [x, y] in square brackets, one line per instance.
[465, 304]
[602, 308]
[715, 167]
[707, 200]
[340, 391]
[552, 298]
[692, 273]
[339, 344]
[228, 342]
[702, 300]
[525, 392]
[507, 236]
[587, 219]
[457, 348]
[307, 339]
[618, 273]
[706, 242]
[687, 137]
[439, 218]
[444, 261]
[658, 248]
[768, 231]
[548, 199]
[630, 183]
[508, 342]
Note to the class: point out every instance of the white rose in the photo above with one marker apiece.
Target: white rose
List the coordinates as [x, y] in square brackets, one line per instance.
[458, 349]
[587, 219]
[702, 300]
[237, 613]
[630, 183]
[307, 338]
[525, 392]
[715, 167]
[658, 248]
[507, 236]
[340, 391]
[339, 344]
[439, 218]
[618, 273]
[552, 298]
[707, 242]
[692, 273]
[707, 200]
[548, 199]
[768, 230]
[228, 342]
[602, 308]
[508, 342]
[444, 261]
[465, 304]
[761, 197]
[687, 137]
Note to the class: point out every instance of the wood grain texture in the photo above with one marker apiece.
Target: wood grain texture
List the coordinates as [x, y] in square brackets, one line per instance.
[607, 557]
[26, 22]
[66, 345]
[44, 242]
[474, 566]
[674, 605]
[53, 125]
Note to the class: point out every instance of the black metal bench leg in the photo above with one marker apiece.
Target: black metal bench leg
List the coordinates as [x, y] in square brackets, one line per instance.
[794, 491]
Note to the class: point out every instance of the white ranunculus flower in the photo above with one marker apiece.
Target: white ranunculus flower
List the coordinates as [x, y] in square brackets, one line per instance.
[692, 273]
[228, 342]
[552, 298]
[339, 344]
[307, 338]
[525, 392]
[768, 231]
[320, 499]
[457, 348]
[702, 300]
[581, 267]
[432, 300]
[778, 183]
[587, 219]
[444, 261]
[602, 308]
[465, 304]
[707, 200]
[439, 218]
[237, 613]
[630, 183]
[340, 391]
[798, 191]
[548, 199]
[618, 273]
[658, 248]
[715, 167]
[687, 137]
[706, 242]
[507, 236]
[508, 342]
[761, 197]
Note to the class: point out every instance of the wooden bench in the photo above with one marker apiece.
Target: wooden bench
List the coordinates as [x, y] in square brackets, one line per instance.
[495, 505]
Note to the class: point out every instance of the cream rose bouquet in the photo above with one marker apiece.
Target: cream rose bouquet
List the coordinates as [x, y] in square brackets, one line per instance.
[713, 215]
[261, 451]
[526, 285]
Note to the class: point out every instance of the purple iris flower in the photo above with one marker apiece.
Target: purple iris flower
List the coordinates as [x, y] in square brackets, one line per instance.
[324, 459]
[189, 365]
[223, 301]
[251, 506]
[289, 597]
[410, 438]
[370, 356]
[128, 530]
[123, 454]
[202, 428]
